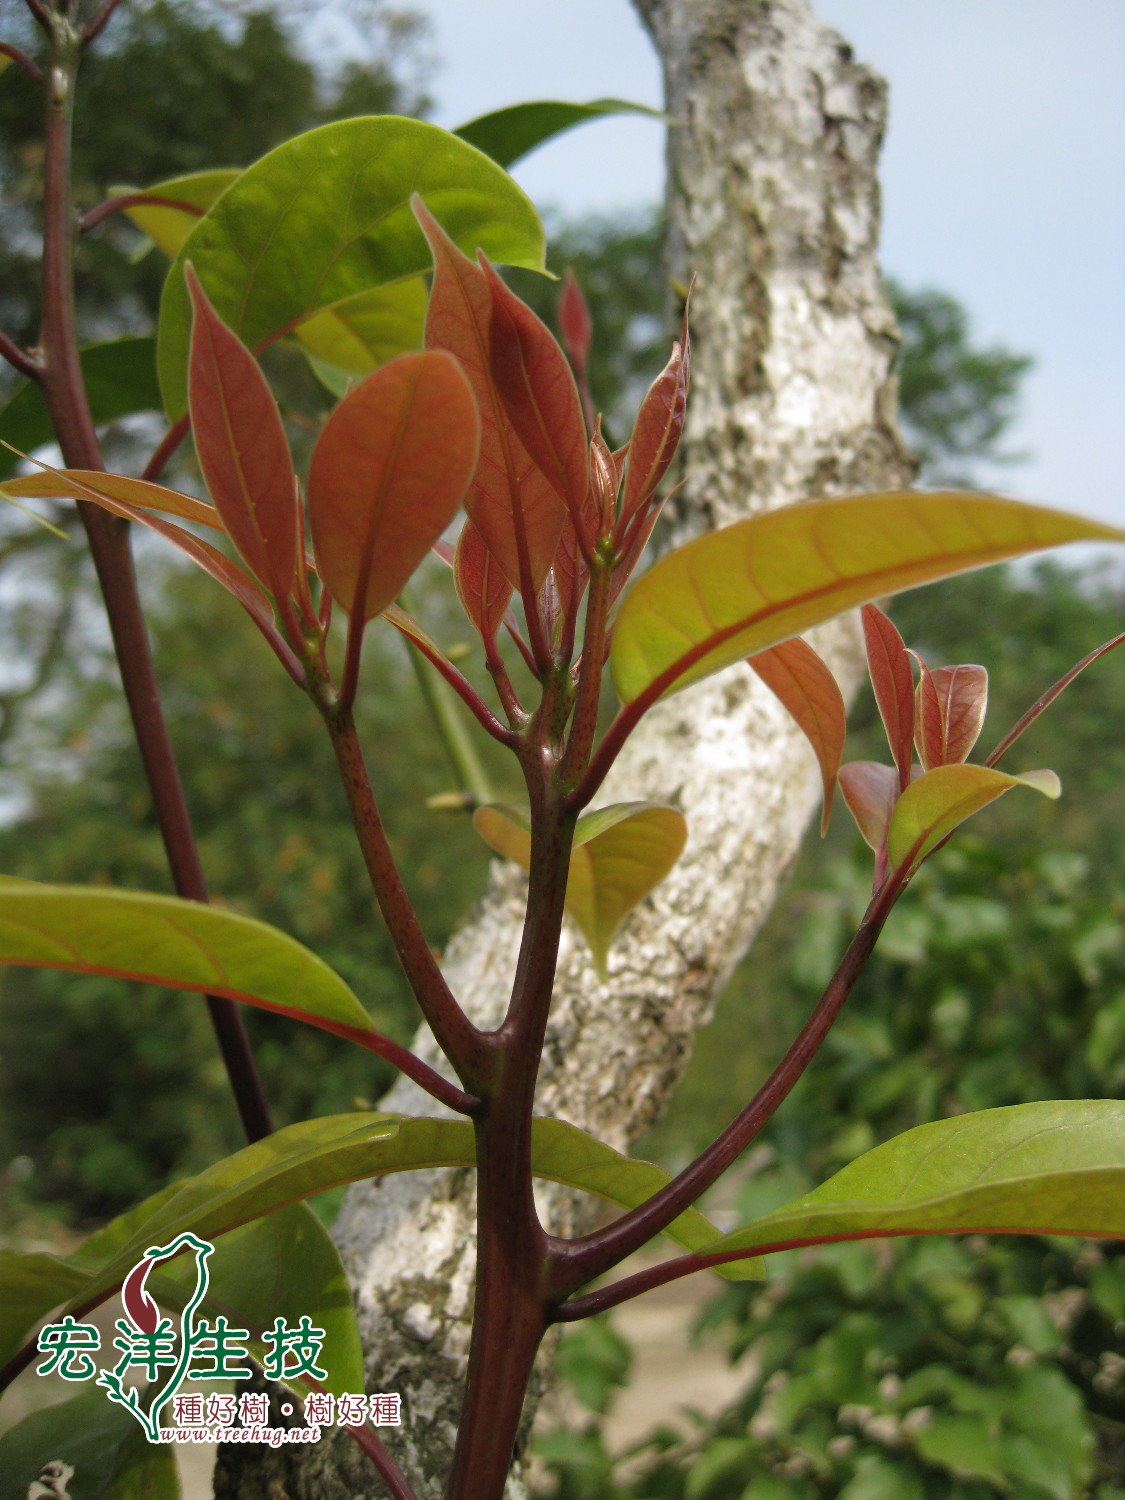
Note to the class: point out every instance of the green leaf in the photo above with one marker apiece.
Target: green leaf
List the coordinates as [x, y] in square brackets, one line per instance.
[281, 1266]
[166, 225]
[734, 592]
[120, 379]
[962, 1445]
[30, 1285]
[620, 853]
[306, 1158]
[104, 1445]
[508, 134]
[941, 799]
[357, 335]
[1047, 1168]
[325, 217]
[180, 944]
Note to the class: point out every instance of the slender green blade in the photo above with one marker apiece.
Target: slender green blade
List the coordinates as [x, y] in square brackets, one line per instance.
[509, 134]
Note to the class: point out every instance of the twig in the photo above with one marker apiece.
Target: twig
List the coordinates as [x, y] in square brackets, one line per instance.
[20, 360]
[98, 23]
[30, 67]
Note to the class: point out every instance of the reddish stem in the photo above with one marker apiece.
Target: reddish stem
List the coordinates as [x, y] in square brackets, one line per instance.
[65, 395]
[163, 451]
[20, 359]
[110, 206]
[30, 67]
[579, 1261]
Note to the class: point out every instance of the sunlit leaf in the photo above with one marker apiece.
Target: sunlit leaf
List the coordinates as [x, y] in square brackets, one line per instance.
[1046, 1168]
[178, 944]
[796, 674]
[536, 386]
[101, 1442]
[508, 134]
[870, 790]
[92, 484]
[363, 332]
[950, 704]
[934, 805]
[620, 853]
[187, 199]
[387, 475]
[120, 380]
[732, 593]
[242, 447]
[326, 216]
[482, 588]
[657, 429]
[510, 502]
[893, 682]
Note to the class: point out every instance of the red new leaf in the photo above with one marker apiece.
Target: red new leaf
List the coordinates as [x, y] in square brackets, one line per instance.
[893, 681]
[949, 707]
[870, 790]
[656, 432]
[387, 474]
[483, 590]
[510, 502]
[805, 686]
[242, 448]
[577, 329]
[538, 391]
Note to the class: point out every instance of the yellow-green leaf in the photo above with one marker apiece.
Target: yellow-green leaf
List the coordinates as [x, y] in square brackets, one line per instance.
[167, 225]
[620, 853]
[361, 333]
[938, 801]
[735, 592]
[1050, 1168]
[325, 217]
[105, 489]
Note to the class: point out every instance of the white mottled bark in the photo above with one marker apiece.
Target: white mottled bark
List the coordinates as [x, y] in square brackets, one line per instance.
[773, 205]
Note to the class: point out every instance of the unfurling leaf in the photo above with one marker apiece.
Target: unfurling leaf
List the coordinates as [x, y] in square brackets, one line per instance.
[326, 216]
[510, 502]
[387, 474]
[734, 592]
[242, 448]
[934, 805]
[805, 686]
[537, 389]
[620, 853]
[1047, 1168]
[889, 665]
[950, 703]
[657, 429]
[870, 790]
[575, 323]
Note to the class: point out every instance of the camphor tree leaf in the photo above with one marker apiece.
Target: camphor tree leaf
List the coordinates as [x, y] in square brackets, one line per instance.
[805, 686]
[508, 134]
[934, 805]
[356, 336]
[536, 385]
[950, 705]
[120, 378]
[387, 476]
[242, 447]
[186, 199]
[32, 1284]
[1048, 1168]
[180, 944]
[481, 586]
[293, 1163]
[510, 502]
[101, 1442]
[657, 429]
[893, 681]
[870, 790]
[326, 216]
[620, 853]
[283, 1265]
[734, 592]
[115, 492]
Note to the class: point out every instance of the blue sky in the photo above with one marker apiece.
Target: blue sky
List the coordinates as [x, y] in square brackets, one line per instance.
[1004, 176]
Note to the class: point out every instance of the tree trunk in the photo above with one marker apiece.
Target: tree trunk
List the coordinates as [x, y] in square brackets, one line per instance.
[773, 205]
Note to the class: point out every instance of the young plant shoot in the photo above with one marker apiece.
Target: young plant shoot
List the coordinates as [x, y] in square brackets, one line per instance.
[370, 246]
